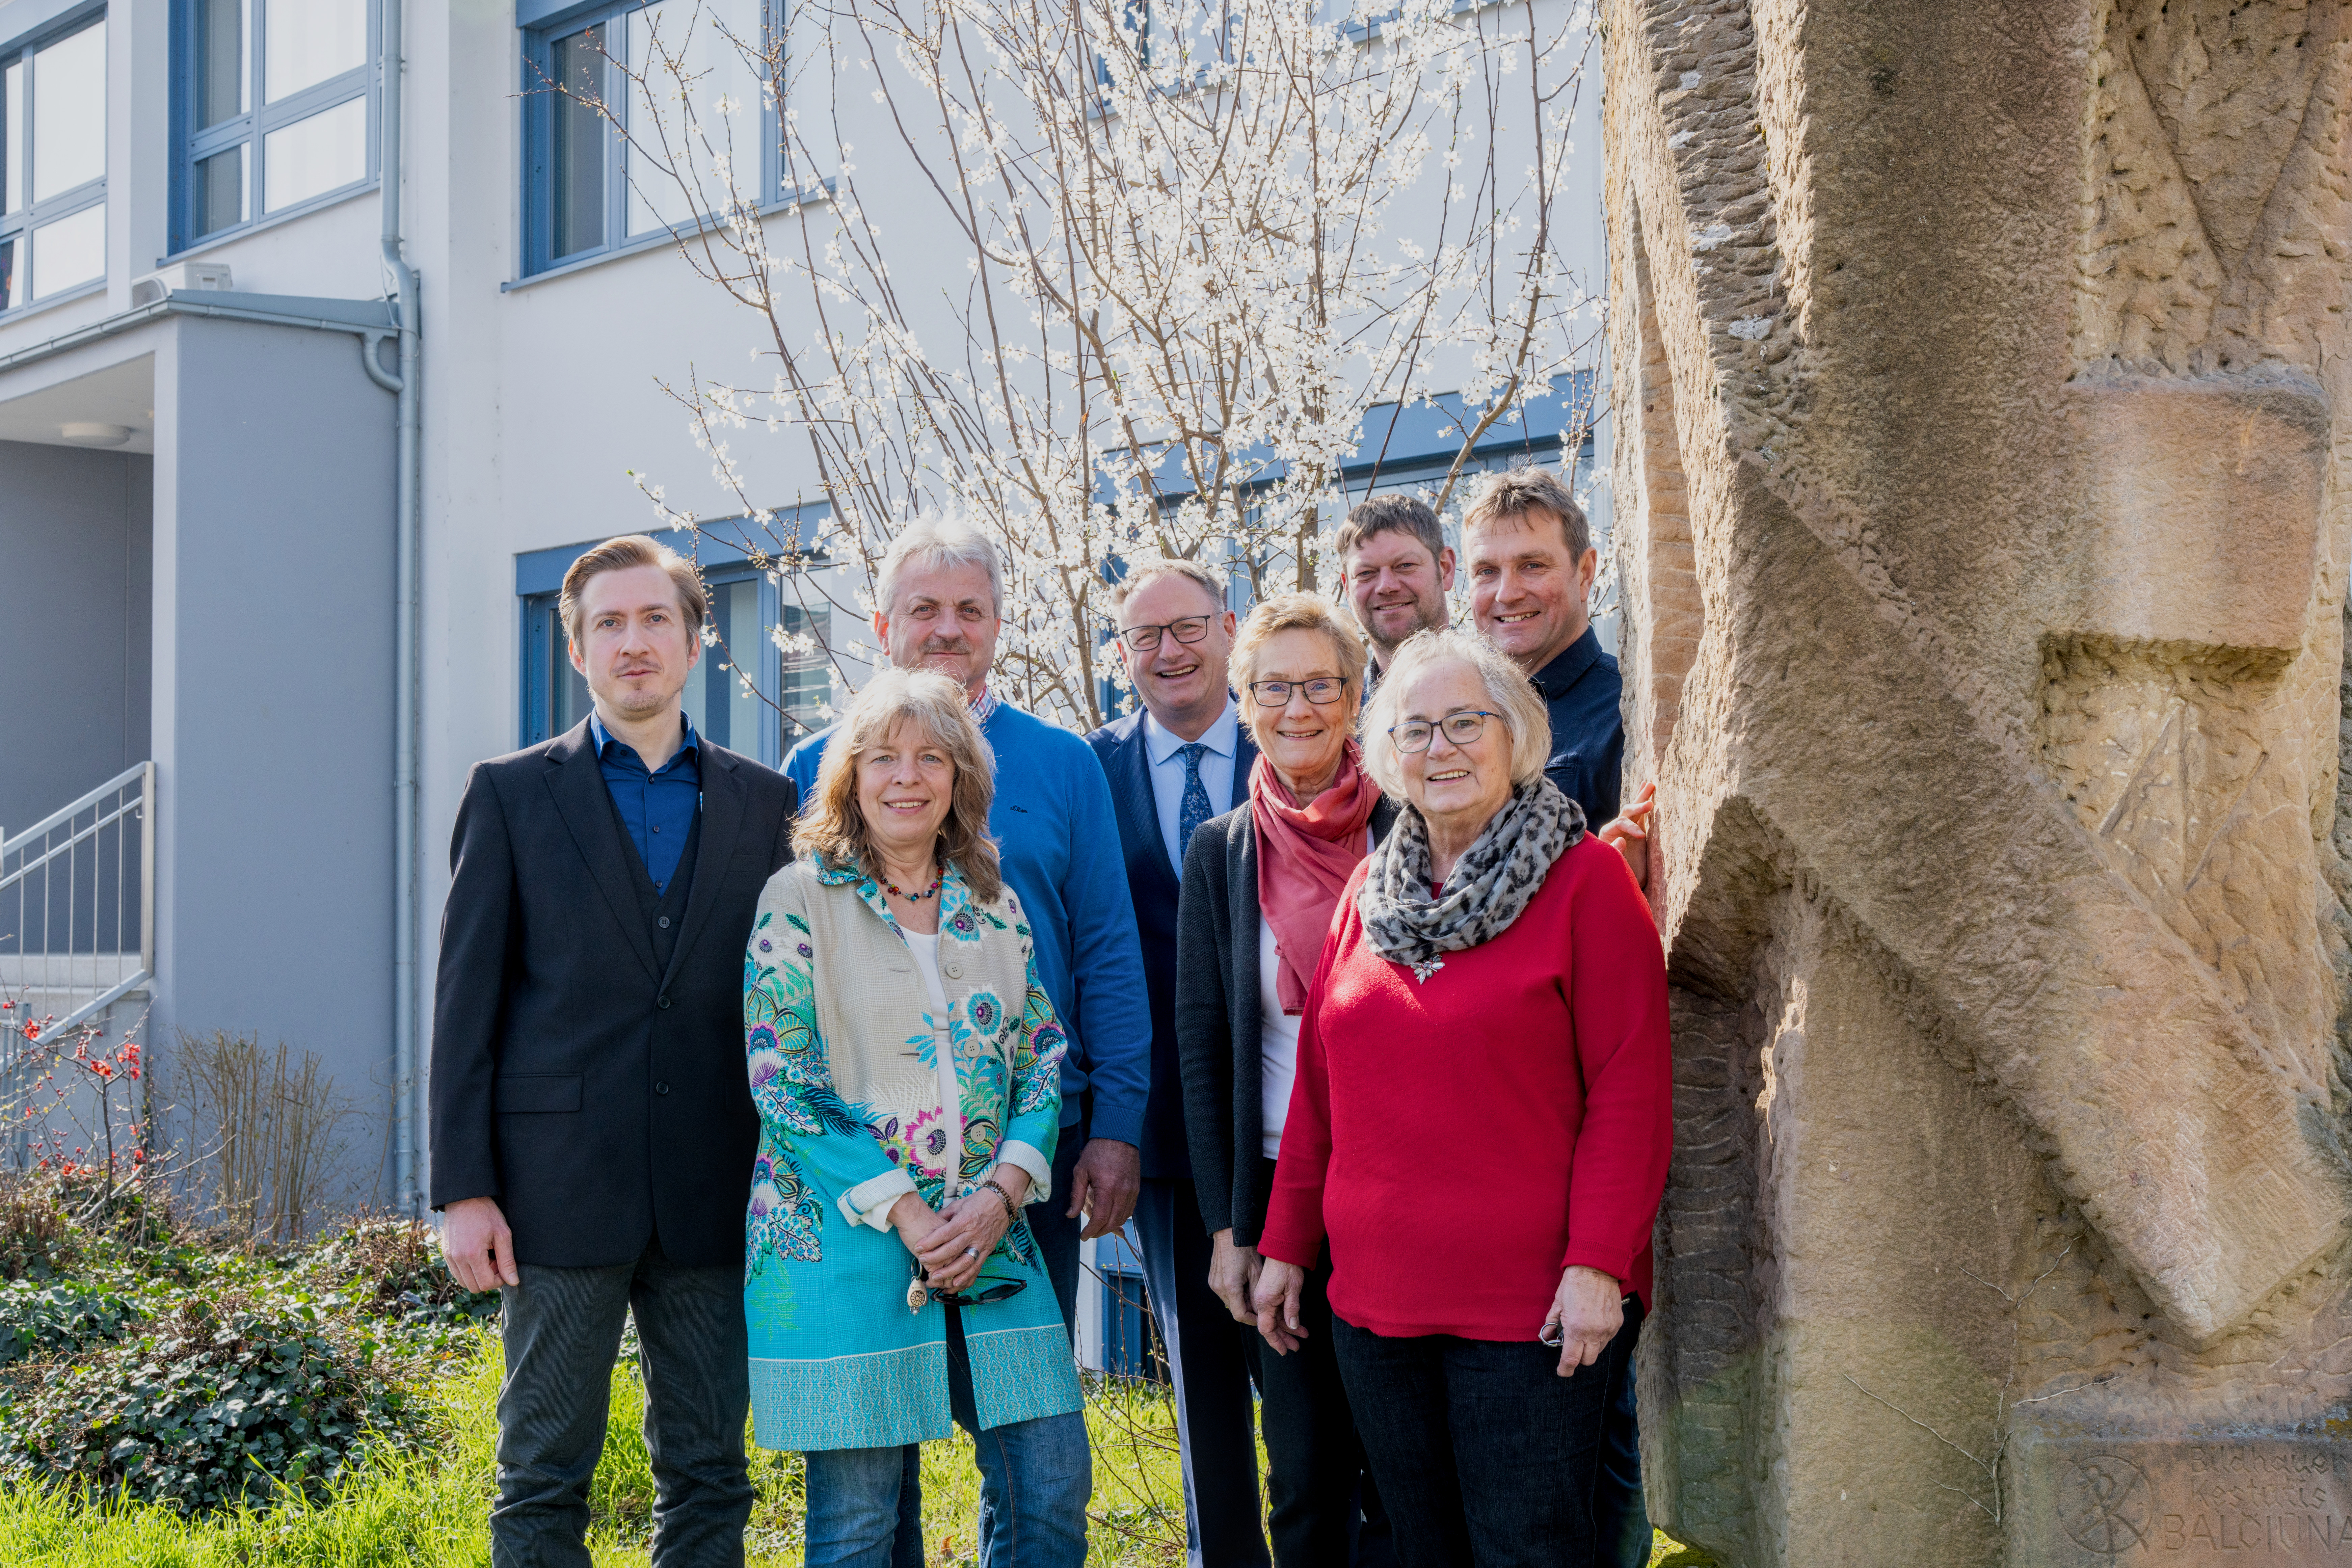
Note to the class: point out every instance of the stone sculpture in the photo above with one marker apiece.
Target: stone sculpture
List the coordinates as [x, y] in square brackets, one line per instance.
[1981, 463]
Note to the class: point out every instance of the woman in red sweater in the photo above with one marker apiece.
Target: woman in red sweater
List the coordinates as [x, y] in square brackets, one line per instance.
[1479, 1126]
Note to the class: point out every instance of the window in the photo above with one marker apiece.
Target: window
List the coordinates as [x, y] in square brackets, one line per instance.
[595, 142]
[276, 106]
[53, 164]
[744, 605]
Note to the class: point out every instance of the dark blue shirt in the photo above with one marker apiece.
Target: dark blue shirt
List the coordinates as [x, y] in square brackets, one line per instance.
[657, 807]
[1581, 688]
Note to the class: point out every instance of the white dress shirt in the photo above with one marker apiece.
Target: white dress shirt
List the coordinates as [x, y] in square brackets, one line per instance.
[1160, 746]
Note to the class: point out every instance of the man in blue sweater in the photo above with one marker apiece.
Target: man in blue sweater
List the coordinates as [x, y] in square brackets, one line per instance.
[1058, 832]
[942, 595]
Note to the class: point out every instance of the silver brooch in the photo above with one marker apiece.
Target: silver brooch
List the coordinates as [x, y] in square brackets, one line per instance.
[1423, 968]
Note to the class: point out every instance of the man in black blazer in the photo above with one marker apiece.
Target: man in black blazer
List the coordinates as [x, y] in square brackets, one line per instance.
[1183, 760]
[591, 1121]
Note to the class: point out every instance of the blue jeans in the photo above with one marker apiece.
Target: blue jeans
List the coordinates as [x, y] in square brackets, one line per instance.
[1034, 1480]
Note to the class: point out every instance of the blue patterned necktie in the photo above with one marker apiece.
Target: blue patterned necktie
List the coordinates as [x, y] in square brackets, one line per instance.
[1193, 809]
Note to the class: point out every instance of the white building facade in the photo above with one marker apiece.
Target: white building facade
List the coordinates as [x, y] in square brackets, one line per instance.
[212, 523]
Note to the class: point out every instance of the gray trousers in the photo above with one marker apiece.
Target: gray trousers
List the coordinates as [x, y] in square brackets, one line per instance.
[563, 1334]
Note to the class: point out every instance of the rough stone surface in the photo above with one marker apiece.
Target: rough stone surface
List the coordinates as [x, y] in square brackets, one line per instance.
[1981, 475]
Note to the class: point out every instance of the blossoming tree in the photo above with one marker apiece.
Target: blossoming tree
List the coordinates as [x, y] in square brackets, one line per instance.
[1202, 242]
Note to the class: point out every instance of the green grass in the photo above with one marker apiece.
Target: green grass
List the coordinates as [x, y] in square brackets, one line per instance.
[432, 1511]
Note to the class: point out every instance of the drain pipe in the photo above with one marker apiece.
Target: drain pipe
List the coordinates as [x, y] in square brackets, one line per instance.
[400, 280]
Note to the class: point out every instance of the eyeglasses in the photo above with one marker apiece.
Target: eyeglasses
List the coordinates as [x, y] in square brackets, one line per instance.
[1414, 734]
[999, 1291]
[919, 1290]
[1322, 690]
[1188, 629]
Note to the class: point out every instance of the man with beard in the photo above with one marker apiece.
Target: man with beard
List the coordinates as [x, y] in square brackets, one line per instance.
[1398, 569]
[940, 590]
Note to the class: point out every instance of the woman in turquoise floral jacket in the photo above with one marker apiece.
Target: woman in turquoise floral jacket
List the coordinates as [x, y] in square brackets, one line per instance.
[905, 1064]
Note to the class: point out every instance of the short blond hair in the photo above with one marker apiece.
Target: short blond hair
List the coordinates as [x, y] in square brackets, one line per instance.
[833, 829]
[1296, 613]
[1509, 692]
[619, 555]
[1512, 494]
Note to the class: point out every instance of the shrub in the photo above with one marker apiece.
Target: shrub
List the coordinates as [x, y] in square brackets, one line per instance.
[392, 1268]
[38, 1239]
[39, 1320]
[223, 1403]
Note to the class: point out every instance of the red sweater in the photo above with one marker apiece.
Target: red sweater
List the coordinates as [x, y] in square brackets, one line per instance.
[1462, 1141]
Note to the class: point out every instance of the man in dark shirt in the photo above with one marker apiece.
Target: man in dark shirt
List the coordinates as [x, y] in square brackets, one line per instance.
[593, 1127]
[1528, 553]
[1398, 569]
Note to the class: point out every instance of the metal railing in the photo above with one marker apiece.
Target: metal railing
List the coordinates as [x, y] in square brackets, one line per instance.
[78, 906]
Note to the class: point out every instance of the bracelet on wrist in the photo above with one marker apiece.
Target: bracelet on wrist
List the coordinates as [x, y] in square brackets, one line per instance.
[1010, 1208]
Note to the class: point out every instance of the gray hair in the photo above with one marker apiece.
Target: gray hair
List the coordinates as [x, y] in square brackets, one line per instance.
[935, 541]
[1212, 581]
[1509, 691]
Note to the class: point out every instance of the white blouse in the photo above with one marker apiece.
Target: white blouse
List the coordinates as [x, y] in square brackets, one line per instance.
[1277, 1046]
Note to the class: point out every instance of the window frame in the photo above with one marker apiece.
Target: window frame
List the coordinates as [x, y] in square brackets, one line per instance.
[250, 129]
[18, 227]
[540, 95]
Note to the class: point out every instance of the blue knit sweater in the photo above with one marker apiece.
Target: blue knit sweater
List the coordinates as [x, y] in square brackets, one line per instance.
[1057, 832]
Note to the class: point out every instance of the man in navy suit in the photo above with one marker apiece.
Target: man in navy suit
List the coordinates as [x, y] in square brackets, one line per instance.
[1184, 759]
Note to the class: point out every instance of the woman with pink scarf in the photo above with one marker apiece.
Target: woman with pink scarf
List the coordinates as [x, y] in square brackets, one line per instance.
[1260, 885]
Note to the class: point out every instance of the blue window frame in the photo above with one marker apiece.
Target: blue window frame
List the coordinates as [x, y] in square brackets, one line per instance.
[53, 160]
[592, 181]
[274, 109]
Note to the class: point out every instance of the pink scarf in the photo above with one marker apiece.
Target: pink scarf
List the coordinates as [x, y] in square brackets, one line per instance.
[1305, 856]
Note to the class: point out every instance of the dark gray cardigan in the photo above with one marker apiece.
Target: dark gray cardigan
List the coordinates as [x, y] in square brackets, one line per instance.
[1219, 1030]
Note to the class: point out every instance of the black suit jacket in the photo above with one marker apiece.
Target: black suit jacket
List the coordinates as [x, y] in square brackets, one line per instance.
[592, 1095]
[1219, 1025]
[1151, 883]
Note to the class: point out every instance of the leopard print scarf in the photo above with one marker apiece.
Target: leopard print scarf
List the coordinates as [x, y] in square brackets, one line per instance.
[1486, 890]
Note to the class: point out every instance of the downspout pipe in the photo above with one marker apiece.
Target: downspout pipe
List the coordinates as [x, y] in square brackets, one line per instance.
[400, 282]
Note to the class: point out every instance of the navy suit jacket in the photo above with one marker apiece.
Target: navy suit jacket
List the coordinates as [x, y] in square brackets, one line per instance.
[1152, 882]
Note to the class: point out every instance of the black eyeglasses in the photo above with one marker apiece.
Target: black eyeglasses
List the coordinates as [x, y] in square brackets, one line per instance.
[1186, 629]
[1462, 727]
[982, 1298]
[1321, 691]
[998, 1290]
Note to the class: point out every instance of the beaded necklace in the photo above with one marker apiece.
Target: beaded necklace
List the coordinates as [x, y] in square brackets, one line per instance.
[932, 891]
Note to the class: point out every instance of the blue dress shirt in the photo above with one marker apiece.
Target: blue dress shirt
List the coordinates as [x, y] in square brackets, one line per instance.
[1581, 688]
[1222, 739]
[657, 807]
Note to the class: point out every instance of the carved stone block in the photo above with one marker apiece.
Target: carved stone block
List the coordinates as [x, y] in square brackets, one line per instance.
[2282, 1500]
